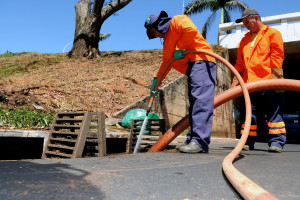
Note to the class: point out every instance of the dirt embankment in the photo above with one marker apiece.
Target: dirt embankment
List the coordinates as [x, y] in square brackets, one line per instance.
[54, 82]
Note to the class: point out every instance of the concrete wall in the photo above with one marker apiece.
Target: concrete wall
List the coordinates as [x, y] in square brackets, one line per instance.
[223, 123]
[172, 103]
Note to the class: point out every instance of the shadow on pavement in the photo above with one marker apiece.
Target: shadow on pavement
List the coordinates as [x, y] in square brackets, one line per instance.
[33, 180]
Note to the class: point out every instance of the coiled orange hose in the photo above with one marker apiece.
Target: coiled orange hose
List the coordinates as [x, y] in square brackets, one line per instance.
[244, 186]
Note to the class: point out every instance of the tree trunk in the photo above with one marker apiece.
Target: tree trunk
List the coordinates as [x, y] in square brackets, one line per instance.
[88, 25]
[221, 22]
[86, 36]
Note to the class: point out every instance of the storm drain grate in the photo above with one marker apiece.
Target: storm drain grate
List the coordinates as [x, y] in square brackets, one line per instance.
[155, 128]
[76, 134]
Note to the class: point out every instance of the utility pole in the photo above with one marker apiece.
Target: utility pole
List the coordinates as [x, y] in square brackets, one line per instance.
[182, 6]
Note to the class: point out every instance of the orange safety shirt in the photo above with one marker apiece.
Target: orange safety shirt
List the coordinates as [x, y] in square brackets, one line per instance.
[255, 63]
[183, 34]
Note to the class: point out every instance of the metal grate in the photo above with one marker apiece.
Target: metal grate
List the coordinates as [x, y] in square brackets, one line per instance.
[71, 133]
[155, 128]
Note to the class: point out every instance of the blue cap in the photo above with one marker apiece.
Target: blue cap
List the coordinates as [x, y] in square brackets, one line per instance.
[151, 20]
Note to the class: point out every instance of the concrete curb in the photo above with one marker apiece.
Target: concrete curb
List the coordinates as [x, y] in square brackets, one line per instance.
[25, 133]
[45, 135]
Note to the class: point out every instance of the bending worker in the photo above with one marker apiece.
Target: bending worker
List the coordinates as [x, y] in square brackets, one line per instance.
[180, 34]
[260, 56]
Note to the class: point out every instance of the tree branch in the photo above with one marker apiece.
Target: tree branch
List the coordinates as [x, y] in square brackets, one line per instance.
[98, 4]
[112, 8]
[208, 23]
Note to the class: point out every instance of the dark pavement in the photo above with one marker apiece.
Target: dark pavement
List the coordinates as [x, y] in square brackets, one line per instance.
[163, 175]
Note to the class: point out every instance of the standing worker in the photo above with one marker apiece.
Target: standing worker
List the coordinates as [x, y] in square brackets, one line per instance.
[260, 56]
[180, 34]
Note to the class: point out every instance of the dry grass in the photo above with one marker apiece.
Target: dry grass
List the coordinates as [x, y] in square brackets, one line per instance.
[58, 83]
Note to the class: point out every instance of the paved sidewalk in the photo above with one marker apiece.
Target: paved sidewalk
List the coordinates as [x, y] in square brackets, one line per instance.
[163, 175]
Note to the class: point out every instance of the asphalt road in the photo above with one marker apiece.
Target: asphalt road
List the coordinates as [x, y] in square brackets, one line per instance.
[164, 175]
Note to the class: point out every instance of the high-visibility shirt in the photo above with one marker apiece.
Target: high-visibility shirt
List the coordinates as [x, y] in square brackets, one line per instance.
[255, 62]
[183, 34]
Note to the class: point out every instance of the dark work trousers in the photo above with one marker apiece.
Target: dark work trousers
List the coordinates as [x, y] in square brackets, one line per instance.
[267, 111]
[201, 91]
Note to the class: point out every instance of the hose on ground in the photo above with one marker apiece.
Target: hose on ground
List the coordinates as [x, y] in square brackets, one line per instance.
[243, 185]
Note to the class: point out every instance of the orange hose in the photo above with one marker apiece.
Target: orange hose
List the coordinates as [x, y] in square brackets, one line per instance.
[269, 84]
[238, 180]
[244, 186]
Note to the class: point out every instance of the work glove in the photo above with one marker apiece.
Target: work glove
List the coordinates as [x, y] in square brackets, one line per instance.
[153, 87]
[178, 54]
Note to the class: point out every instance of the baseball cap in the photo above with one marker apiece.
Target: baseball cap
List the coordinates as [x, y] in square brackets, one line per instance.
[246, 13]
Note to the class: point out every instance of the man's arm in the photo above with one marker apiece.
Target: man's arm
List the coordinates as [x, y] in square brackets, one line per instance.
[277, 52]
[169, 46]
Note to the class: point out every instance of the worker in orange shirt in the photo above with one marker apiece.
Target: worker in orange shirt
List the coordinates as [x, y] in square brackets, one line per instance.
[180, 34]
[260, 56]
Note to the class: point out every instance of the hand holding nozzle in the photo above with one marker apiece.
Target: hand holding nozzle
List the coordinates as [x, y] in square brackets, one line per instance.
[154, 81]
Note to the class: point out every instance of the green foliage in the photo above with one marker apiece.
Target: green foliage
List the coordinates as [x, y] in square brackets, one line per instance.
[7, 71]
[216, 48]
[28, 65]
[104, 36]
[225, 6]
[7, 54]
[10, 70]
[25, 118]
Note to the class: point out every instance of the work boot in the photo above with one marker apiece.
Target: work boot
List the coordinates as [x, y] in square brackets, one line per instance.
[179, 146]
[275, 149]
[192, 147]
[247, 148]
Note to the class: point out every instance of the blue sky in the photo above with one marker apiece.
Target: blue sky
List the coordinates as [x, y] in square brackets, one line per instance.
[47, 26]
